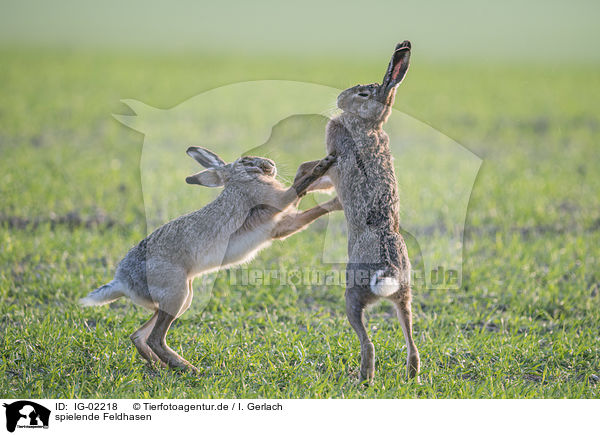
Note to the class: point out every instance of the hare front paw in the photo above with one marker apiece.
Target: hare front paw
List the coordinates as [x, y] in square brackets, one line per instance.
[324, 165]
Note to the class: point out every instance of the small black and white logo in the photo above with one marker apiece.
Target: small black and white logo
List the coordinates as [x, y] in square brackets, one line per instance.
[26, 414]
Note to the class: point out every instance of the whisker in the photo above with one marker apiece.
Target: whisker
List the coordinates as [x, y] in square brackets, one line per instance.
[331, 111]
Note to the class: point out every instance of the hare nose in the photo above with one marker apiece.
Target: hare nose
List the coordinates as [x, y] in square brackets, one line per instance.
[268, 168]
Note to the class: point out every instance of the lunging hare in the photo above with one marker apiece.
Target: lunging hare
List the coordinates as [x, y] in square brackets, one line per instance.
[251, 211]
[364, 179]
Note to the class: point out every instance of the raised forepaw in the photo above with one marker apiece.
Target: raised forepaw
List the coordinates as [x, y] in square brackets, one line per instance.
[324, 165]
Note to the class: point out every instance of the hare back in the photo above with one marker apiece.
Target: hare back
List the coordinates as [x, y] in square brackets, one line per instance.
[364, 178]
[195, 242]
[217, 236]
[378, 247]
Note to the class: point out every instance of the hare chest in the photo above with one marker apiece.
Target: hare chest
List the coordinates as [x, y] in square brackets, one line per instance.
[243, 246]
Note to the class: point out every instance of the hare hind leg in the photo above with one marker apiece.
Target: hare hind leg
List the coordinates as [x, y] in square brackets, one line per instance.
[158, 343]
[403, 308]
[139, 338]
[355, 310]
[179, 300]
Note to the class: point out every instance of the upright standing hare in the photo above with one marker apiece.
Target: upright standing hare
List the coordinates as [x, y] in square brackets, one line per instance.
[251, 211]
[364, 179]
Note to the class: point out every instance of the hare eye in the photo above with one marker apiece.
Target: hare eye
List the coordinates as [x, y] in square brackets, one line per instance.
[363, 94]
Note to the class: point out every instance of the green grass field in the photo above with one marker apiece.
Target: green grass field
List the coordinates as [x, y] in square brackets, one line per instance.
[525, 323]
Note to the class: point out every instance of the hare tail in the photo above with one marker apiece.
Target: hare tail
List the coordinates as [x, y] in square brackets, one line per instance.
[385, 282]
[103, 295]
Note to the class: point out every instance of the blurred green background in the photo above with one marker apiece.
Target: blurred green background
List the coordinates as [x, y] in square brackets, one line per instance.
[553, 31]
[517, 83]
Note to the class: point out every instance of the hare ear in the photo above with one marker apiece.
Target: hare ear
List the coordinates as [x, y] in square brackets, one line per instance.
[398, 66]
[210, 178]
[206, 158]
